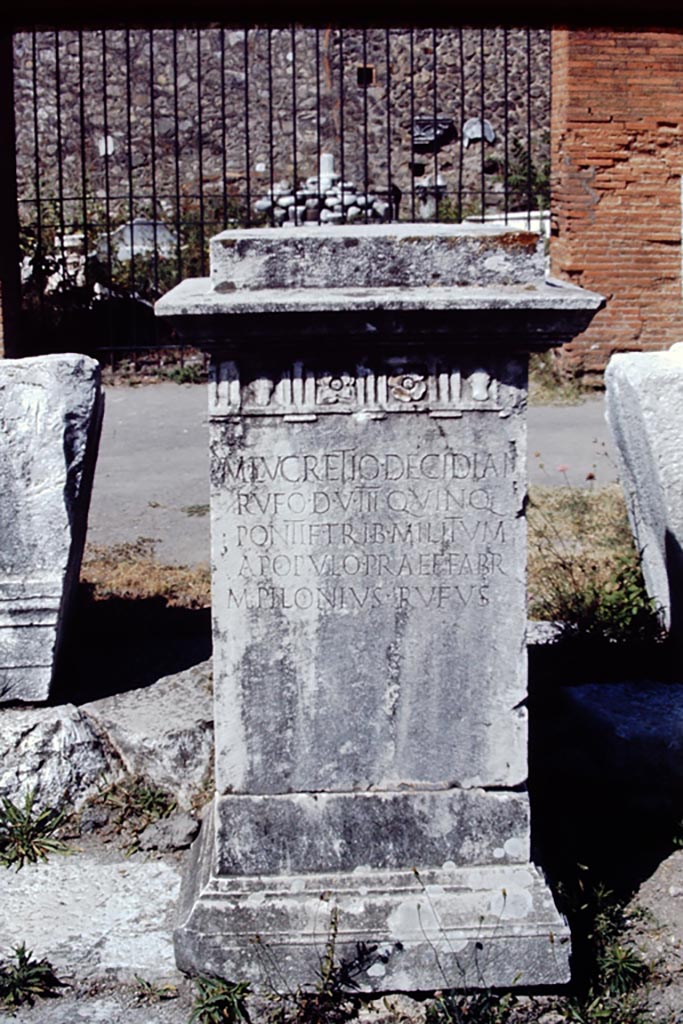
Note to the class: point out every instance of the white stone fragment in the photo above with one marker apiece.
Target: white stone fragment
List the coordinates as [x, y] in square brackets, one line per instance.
[50, 416]
[163, 732]
[644, 403]
[56, 752]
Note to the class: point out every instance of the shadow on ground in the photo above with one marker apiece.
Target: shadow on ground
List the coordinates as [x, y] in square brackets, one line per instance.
[605, 811]
[118, 644]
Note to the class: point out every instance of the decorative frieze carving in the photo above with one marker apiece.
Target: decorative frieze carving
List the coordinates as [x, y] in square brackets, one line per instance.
[298, 390]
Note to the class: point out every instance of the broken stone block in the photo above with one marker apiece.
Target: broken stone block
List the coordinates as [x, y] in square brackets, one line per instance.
[50, 418]
[163, 732]
[645, 414]
[55, 752]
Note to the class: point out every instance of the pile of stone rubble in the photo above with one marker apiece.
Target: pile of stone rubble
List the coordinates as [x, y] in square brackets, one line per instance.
[323, 198]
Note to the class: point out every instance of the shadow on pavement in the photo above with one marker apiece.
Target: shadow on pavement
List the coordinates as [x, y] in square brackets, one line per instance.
[117, 644]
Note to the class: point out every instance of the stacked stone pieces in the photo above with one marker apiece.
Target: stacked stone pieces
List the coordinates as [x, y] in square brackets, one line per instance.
[324, 199]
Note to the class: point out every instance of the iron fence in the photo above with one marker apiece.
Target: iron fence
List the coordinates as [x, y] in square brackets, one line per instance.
[134, 146]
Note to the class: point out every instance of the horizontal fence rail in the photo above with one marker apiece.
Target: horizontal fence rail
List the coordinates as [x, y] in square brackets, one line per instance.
[135, 146]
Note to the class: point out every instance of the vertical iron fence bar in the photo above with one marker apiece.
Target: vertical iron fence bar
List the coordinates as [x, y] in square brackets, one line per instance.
[506, 123]
[529, 185]
[365, 121]
[390, 192]
[482, 111]
[176, 155]
[84, 171]
[247, 141]
[271, 137]
[412, 124]
[60, 156]
[153, 158]
[10, 290]
[461, 146]
[318, 133]
[129, 151]
[200, 152]
[295, 170]
[434, 125]
[224, 139]
[341, 118]
[37, 171]
[107, 190]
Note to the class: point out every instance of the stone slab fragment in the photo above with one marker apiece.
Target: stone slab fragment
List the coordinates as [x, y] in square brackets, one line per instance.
[450, 927]
[54, 751]
[91, 917]
[50, 415]
[330, 832]
[644, 400]
[163, 732]
[369, 553]
[374, 256]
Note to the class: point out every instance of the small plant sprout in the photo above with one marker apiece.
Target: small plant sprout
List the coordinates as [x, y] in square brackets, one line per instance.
[219, 1000]
[152, 992]
[24, 979]
[135, 803]
[27, 835]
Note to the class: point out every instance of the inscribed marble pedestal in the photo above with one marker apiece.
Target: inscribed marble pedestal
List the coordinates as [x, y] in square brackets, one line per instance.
[368, 464]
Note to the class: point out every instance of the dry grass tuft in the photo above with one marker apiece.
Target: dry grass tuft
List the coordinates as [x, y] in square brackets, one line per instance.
[131, 571]
[583, 567]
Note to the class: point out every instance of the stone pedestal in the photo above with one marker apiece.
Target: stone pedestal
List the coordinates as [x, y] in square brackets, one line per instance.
[368, 463]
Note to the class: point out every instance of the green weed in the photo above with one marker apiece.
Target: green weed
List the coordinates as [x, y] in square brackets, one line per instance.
[27, 835]
[218, 1000]
[552, 384]
[583, 568]
[149, 992]
[335, 998]
[190, 373]
[23, 979]
[134, 803]
[477, 1008]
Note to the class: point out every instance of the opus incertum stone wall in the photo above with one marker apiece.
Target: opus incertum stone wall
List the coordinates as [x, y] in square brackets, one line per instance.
[50, 416]
[368, 462]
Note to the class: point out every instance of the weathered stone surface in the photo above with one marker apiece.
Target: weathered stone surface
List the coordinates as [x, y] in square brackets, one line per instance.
[368, 474]
[55, 751]
[195, 297]
[163, 732]
[369, 570]
[402, 256]
[105, 917]
[494, 925]
[50, 415]
[270, 835]
[645, 414]
[174, 833]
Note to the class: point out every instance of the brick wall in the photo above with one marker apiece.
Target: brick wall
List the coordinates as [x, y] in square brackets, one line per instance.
[617, 160]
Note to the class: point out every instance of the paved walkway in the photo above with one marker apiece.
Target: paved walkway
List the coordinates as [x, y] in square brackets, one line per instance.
[153, 467]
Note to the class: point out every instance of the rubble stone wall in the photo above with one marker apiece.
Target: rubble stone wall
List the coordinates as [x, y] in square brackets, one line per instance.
[186, 111]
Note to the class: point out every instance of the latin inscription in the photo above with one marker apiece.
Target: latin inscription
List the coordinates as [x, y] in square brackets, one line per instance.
[347, 530]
